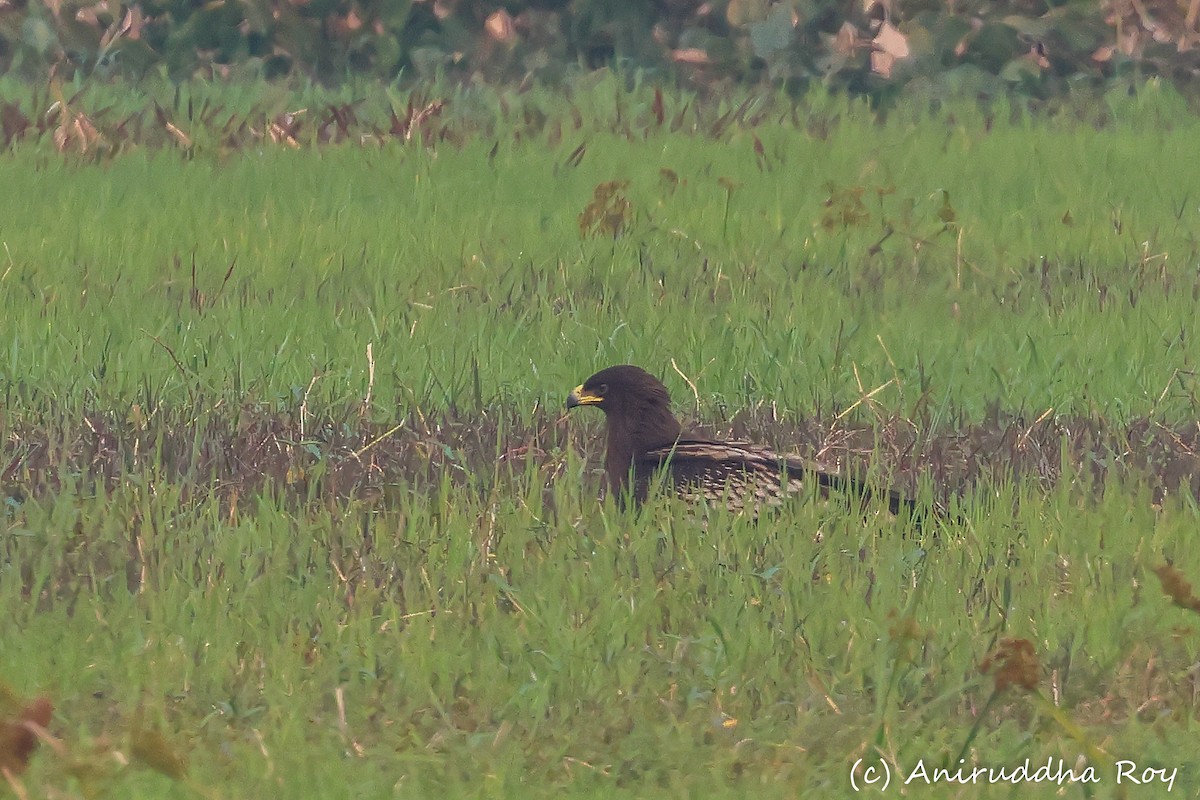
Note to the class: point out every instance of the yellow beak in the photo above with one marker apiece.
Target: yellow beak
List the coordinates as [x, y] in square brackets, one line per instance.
[579, 397]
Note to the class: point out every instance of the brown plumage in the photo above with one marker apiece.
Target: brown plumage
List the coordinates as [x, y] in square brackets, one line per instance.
[644, 437]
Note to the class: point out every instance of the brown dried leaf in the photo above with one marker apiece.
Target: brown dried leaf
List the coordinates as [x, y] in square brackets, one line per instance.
[131, 26]
[891, 41]
[499, 26]
[111, 34]
[18, 738]
[669, 179]
[90, 15]
[1014, 662]
[1037, 56]
[1177, 587]
[846, 41]
[13, 123]
[890, 46]
[608, 213]
[285, 127]
[690, 55]
[181, 137]
[75, 130]
[881, 63]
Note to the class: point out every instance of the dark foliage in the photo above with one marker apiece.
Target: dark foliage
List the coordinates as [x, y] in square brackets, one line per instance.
[1030, 47]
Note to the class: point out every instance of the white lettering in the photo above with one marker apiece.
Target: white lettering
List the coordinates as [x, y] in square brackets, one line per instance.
[1053, 771]
[917, 772]
[1127, 771]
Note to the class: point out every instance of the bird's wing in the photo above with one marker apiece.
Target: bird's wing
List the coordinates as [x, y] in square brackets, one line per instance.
[740, 475]
[743, 474]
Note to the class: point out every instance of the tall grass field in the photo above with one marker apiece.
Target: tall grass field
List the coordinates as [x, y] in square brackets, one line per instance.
[292, 507]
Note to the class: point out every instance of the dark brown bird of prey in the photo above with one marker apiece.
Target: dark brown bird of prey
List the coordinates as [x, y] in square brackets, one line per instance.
[645, 438]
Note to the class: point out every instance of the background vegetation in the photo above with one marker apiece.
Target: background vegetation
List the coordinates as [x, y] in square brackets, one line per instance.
[882, 48]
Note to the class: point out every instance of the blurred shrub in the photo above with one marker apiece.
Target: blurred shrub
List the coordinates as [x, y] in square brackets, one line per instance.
[1035, 47]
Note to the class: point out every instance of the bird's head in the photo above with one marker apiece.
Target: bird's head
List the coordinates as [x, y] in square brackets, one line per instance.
[636, 403]
[621, 390]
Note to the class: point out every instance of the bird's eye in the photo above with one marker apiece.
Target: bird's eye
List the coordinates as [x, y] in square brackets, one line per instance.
[602, 389]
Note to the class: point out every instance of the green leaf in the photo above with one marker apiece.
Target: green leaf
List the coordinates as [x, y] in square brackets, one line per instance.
[36, 33]
[774, 33]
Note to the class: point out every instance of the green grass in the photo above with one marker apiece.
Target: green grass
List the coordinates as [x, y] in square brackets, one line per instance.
[502, 634]
[442, 256]
[494, 647]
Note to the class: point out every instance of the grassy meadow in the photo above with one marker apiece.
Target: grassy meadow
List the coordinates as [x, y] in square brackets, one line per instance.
[291, 507]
